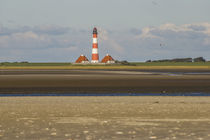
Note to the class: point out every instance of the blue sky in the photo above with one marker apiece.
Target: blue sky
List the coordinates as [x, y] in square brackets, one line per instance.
[60, 30]
[106, 13]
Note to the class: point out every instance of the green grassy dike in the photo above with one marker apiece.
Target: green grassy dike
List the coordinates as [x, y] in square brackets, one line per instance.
[171, 63]
[33, 64]
[131, 65]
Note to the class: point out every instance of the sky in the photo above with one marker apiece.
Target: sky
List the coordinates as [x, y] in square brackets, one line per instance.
[133, 30]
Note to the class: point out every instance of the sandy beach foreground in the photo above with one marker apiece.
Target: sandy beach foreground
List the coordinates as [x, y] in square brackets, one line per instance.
[102, 81]
[104, 118]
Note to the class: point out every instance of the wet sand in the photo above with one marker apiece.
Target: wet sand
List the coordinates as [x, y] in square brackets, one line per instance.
[104, 118]
[102, 81]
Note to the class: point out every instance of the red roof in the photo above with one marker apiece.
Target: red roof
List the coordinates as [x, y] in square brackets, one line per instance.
[106, 59]
[81, 59]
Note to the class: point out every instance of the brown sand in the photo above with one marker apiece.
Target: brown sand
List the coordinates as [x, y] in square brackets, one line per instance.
[89, 81]
[105, 118]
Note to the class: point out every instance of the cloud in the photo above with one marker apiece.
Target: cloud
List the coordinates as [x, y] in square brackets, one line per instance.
[22, 43]
[147, 33]
[188, 40]
[51, 30]
[24, 40]
[55, 43]
[111, 44]
[34, 37]
[169, 31]
[42, 29]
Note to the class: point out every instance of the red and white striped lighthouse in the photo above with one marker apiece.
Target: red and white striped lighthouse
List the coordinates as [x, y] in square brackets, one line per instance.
[95, 57]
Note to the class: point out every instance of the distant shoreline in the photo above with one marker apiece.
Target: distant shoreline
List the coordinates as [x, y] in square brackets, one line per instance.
[120, 63]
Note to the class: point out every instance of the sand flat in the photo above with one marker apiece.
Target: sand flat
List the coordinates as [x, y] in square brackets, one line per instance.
[104, 118]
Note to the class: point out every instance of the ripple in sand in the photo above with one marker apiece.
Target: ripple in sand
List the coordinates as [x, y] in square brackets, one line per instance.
[77, 120]
[85, 132]
[153, 137]
[104, 122]
[53, 134]
[131, 132]
[67, 135]
[25, 118]
[47, 129]
[88, 137]
[22, 133]
[119, 133]
[53, 129]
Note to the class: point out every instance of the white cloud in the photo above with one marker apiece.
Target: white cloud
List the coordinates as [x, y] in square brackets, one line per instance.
[25, 40]
[169, 31]
[54, 43]
[146, 33]
[110, 43]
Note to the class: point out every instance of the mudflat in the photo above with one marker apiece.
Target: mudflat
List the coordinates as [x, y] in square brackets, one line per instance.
[104, 118]
[102, 81]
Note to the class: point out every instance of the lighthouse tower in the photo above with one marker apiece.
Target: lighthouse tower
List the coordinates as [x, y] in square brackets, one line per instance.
[95, 57]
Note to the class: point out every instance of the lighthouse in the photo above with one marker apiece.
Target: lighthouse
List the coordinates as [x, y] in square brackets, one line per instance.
[95, 56]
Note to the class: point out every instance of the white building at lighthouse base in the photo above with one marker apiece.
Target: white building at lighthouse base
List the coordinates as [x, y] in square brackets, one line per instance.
[94, 61]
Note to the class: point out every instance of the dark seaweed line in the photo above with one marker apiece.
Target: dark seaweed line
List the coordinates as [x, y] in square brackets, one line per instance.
[106, 94]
